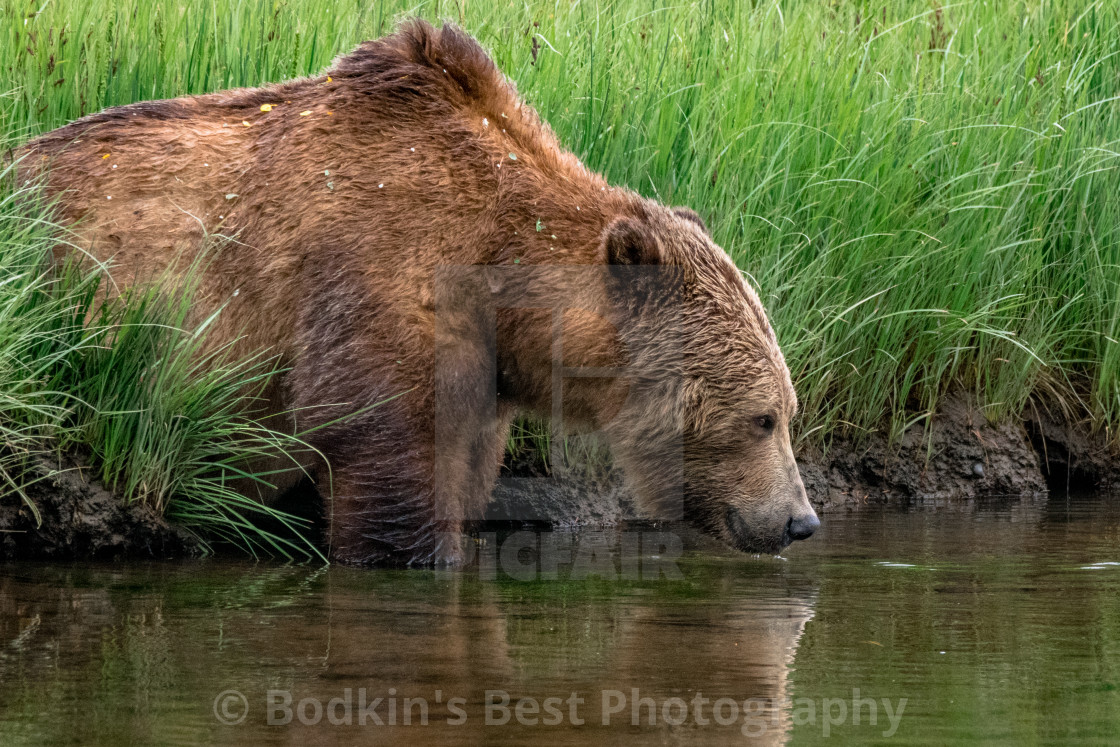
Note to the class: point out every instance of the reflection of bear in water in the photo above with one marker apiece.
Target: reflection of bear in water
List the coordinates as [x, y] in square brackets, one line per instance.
[343, 193]
[149, 665]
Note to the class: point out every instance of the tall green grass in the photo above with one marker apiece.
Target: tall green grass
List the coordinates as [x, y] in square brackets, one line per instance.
[39, 331]
[925, 193]
[129, 386]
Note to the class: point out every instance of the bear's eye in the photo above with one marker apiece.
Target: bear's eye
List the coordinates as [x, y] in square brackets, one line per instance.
[765, 422]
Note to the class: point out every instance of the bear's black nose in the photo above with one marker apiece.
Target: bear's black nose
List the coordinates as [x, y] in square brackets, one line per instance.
[802, 527]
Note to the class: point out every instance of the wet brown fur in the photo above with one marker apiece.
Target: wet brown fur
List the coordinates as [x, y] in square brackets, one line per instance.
[339, 203]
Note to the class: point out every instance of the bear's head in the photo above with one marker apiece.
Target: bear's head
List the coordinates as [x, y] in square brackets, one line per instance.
[706, 423]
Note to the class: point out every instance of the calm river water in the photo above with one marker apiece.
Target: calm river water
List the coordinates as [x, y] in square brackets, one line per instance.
[995, 622]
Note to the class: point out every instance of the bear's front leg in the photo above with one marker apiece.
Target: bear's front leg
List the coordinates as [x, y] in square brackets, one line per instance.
[396, 495]
[383, 501]
[405, 474]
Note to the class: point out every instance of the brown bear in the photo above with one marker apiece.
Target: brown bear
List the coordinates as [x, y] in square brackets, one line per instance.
[404, 230]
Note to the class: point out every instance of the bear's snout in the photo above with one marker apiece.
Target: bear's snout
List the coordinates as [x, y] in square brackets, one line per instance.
[802, 527]
[758, 535]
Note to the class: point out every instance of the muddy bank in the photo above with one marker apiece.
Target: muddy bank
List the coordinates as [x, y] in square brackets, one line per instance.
[1071, 456]
[81, 519]
[967, 459]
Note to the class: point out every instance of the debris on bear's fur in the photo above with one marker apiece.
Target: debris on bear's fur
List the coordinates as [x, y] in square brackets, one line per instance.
[364, 271]
[80, 519]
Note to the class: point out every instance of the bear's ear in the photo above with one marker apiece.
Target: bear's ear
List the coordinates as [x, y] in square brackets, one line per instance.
[627, 241]
[690, 215]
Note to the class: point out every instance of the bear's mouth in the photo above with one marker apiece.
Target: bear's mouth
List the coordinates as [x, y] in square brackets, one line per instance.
[743, 538]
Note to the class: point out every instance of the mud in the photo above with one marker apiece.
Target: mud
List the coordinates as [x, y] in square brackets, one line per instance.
[1071, 456]
[81, 519]
[963, 458]
[572, 498]
[966, 459]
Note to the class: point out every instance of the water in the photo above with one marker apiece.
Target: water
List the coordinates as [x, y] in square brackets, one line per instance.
[997, 622]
